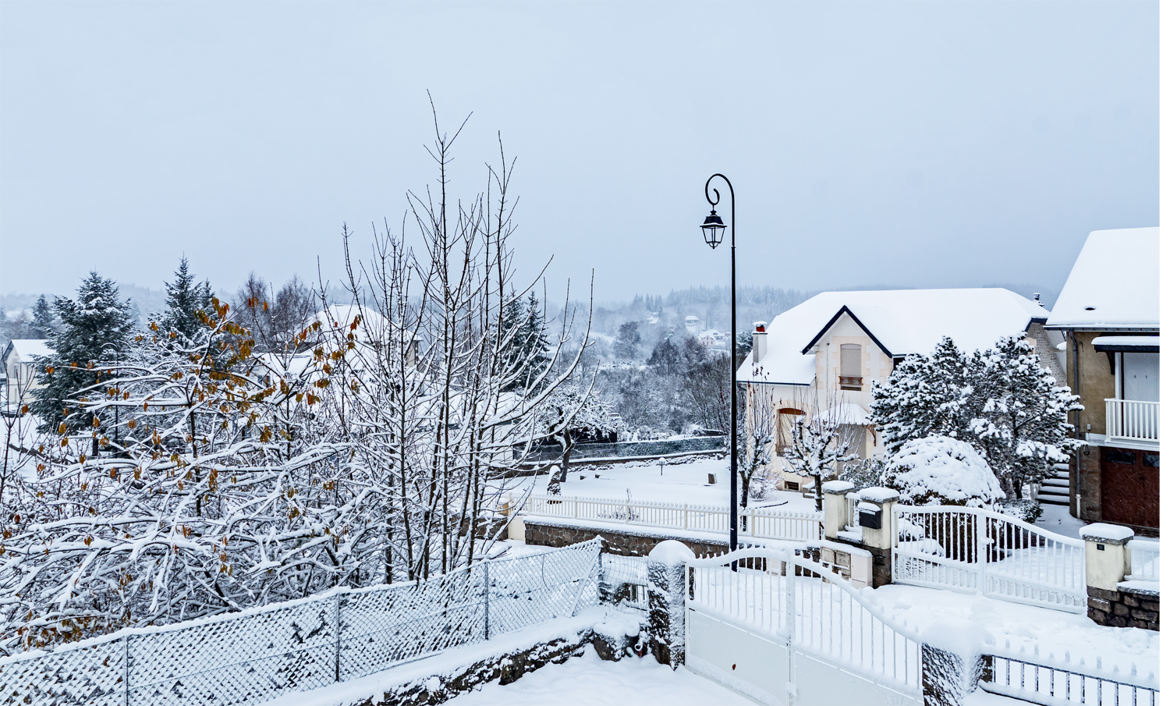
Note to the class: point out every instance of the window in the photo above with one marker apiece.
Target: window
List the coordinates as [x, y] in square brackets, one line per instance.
[785, 416]
[850, 366]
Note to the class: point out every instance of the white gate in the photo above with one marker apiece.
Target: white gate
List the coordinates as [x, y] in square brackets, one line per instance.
[979, 551]
[785, 630]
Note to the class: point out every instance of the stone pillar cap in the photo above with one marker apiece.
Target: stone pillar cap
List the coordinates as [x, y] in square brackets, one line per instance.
[837, 487]
[878, 495]
[1107, 533]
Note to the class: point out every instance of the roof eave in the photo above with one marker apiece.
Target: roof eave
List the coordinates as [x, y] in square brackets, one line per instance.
[845, 310]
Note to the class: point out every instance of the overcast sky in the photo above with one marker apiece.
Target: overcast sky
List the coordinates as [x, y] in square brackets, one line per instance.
[924, 143]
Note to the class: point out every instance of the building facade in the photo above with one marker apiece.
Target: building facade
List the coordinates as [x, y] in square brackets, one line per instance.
[1108, 315]
[821, 358]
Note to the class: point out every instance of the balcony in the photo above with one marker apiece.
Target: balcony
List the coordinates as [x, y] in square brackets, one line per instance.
[1131, 421]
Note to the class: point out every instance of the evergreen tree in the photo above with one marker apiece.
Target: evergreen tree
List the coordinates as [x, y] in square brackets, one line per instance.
[43, 322]
[1002, 401]
[1021, 425]
[535, 343]
[924, 396]
[94, 330]
[511, 331]
[185, 299]
[628, 339]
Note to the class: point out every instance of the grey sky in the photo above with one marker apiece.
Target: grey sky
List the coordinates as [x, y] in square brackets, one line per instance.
[928, 142]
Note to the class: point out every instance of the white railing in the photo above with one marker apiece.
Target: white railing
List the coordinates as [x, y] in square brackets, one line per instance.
[260, 654]
[979, 551]
[1143, 559]
[760, 523]
[1057, 681]
[805, 605]
[1131, 420]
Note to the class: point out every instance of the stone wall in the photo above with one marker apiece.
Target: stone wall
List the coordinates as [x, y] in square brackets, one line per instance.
[1127, 607]
[621, 541]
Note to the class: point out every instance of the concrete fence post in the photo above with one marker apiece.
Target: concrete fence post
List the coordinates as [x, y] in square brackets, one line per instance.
[879, 540]
[1106, 564]
[836, 512]
[666, 574]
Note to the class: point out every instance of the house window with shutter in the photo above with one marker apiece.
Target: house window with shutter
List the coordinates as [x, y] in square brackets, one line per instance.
[850, 366]
[785, 417]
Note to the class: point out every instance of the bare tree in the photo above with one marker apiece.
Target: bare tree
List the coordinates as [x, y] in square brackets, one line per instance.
[822, 439]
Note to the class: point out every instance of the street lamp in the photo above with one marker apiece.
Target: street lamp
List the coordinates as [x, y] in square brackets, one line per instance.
[713, 235]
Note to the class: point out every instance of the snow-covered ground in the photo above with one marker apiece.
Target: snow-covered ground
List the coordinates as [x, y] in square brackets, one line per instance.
[1056, 518]
[1020, 628]
[677, 482]
[590, 681]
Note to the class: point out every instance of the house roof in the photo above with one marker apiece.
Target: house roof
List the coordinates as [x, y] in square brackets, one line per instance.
[1113, 285]
[900, 321]
[28, 348]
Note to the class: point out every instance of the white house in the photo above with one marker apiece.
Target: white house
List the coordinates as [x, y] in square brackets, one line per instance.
[822, 356]
[19, 364]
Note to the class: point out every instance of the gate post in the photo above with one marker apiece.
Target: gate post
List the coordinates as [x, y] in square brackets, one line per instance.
[880, 540]
[1107, 561]
[666, 574]
[836, 515]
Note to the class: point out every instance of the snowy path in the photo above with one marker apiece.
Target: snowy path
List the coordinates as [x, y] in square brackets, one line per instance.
[589, 681]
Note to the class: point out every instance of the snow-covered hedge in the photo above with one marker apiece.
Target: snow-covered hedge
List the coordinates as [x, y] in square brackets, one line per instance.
[939, 470]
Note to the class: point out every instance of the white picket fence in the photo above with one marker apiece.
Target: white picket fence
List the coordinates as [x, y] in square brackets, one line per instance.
[759, 523]
[261, 654]
[784, 624]
[978, 551]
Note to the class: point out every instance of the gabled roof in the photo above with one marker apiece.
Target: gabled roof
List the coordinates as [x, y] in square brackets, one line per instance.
[900, 321]
[28, 348]
[1113, 285]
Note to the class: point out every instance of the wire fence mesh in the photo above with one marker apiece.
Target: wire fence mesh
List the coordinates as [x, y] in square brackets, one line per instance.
[259, 654]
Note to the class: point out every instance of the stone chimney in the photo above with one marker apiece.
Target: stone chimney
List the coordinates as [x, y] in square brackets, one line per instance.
[759, 341]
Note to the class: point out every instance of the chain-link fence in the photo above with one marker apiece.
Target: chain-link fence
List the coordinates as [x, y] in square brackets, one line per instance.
[623, 581]
[259, 654]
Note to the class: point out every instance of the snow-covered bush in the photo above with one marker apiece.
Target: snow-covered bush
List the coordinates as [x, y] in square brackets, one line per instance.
[1024, 509]
[939, 470]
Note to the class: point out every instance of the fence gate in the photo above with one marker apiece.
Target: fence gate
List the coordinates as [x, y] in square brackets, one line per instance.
[979, 551]
[782, 632]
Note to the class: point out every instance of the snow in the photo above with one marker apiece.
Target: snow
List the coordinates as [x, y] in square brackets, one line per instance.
[903, 320]
[1058, 519]
[877, 495]
[1127, 341]
[1018, 629]
[589, 680]
[450, 662]
[671, 552]
[837, 486]
[1113, 284]
[1146, 588]
[679, 483]
[1106, 532]
[938, 469]
[27, 348]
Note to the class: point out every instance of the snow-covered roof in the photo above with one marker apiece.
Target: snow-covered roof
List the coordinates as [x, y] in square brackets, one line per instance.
[27, 348]
[901, 321]
[1113, 284]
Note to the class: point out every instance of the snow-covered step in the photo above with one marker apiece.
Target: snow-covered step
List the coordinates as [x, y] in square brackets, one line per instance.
[1055, 483]
[1052, 498]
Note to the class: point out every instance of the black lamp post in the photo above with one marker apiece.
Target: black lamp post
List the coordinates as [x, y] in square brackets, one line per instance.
[713, 233]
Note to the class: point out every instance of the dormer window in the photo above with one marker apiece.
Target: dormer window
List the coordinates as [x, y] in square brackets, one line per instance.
[850, 366]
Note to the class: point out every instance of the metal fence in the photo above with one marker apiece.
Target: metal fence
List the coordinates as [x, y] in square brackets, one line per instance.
[1143, 559]
[1033, 680]
[259, 654]
[624, 581]
[761, 523]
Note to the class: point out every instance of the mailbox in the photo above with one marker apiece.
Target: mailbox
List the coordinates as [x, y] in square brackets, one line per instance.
[869, 515]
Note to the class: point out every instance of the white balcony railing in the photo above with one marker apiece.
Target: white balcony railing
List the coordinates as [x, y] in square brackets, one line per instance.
[1131, 420]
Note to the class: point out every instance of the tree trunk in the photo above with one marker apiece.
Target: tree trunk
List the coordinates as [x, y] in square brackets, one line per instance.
[566, 449]
[817, 492]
